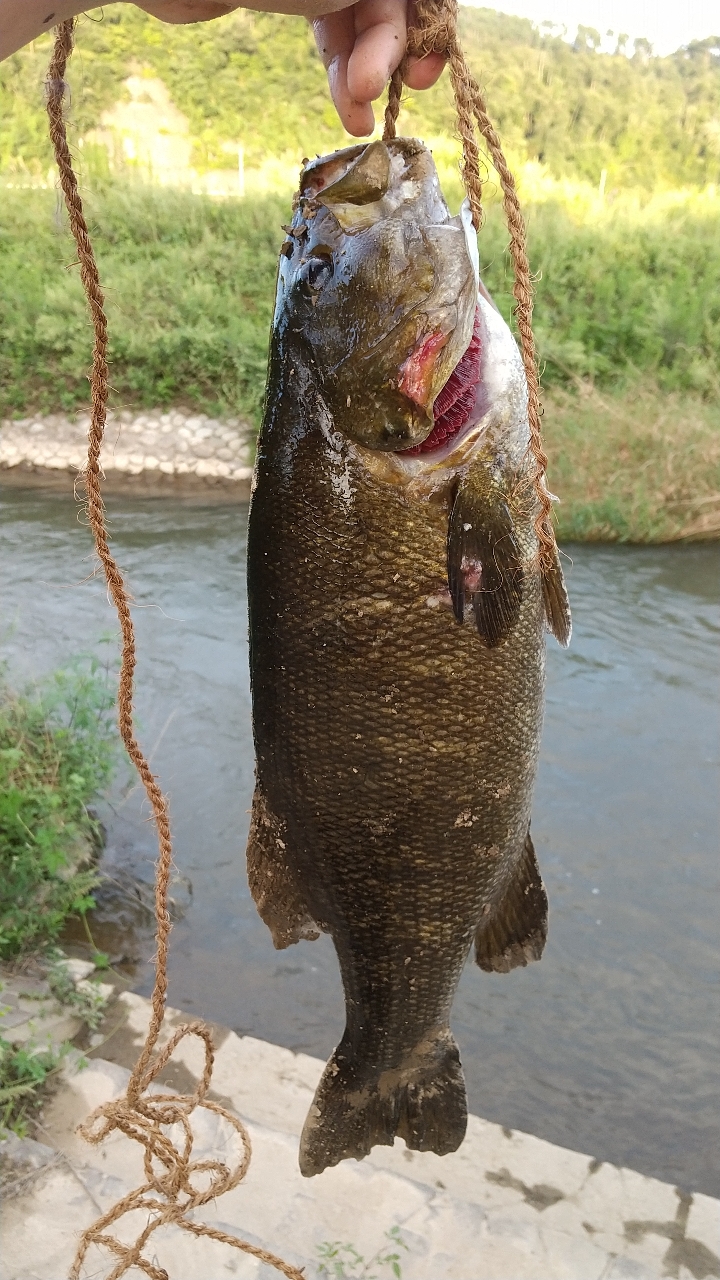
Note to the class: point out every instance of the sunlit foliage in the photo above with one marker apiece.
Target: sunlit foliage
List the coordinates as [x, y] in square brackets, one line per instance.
[256, 78]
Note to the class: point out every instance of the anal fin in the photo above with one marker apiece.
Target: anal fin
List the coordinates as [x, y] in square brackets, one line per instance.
[515, 932]
[273, 884]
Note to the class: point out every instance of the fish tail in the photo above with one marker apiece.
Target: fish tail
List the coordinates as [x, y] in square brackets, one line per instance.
[356, 1106]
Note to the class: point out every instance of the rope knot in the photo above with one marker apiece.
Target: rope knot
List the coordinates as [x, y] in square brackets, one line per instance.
[434, 29]
[175, 1184]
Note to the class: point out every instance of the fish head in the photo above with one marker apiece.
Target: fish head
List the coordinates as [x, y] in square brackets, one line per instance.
[376, 290]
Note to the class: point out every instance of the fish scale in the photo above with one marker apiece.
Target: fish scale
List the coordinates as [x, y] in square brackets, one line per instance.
[396, 744]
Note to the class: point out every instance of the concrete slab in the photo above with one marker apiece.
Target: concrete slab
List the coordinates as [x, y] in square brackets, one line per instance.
[150, 452]
[506, 1206]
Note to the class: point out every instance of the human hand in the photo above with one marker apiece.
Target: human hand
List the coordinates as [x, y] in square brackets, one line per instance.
[182, 11]
[361, 45]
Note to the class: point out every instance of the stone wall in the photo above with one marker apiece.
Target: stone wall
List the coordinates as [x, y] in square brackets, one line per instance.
[174, 449]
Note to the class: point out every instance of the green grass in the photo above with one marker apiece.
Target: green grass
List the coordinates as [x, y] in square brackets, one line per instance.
[637, 466]
[341, 1261]
[627, 322]
[189, 286]
[57, 748]
[624, 291]
[24, 1072]
[27, 1069]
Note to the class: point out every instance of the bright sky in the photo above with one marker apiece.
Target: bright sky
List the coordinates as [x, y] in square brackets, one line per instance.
[667, 24]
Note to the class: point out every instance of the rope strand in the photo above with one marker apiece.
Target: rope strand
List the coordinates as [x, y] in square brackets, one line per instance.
[167, 1196]
[435, 31]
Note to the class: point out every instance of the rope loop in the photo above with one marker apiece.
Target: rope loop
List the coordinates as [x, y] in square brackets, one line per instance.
[435, 31]
[160, 1122]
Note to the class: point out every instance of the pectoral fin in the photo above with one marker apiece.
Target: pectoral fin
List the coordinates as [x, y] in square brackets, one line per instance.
[483, 558]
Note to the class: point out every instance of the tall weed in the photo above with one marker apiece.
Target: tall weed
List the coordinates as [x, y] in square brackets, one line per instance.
[189, 286]
[626, 290]
[57, 749]
[634, 467]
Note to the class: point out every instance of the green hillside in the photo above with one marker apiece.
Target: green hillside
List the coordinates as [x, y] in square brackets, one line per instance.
[650, 122]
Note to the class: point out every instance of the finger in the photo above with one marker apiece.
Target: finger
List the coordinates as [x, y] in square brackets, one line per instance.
[181, 11]
[335, 38]
[380, 36]
[423, 72]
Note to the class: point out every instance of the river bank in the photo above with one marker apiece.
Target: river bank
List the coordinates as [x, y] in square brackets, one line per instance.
[506, 1204]
[635, 468]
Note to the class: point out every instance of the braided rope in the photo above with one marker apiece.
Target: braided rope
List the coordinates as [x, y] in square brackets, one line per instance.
[435, 31]
[168, 1194]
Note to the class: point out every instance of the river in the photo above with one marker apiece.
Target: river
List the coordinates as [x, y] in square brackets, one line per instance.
[609, 1046]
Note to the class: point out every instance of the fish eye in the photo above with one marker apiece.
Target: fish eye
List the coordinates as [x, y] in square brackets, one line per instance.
[314, 273]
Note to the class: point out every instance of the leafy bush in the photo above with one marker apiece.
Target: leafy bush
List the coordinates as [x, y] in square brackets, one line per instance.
[56, 754]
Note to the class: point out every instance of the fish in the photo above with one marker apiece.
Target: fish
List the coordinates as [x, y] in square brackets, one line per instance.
[397, 618]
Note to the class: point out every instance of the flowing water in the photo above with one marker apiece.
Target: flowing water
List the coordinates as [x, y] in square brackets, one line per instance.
[609, 1045]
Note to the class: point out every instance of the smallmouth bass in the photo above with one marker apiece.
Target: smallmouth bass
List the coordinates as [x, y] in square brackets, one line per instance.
[397, 619]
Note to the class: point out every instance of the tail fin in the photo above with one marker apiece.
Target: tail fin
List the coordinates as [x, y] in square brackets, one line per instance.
[357, 1107]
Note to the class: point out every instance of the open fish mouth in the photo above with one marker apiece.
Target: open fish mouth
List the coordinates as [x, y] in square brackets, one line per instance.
[454, 405]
